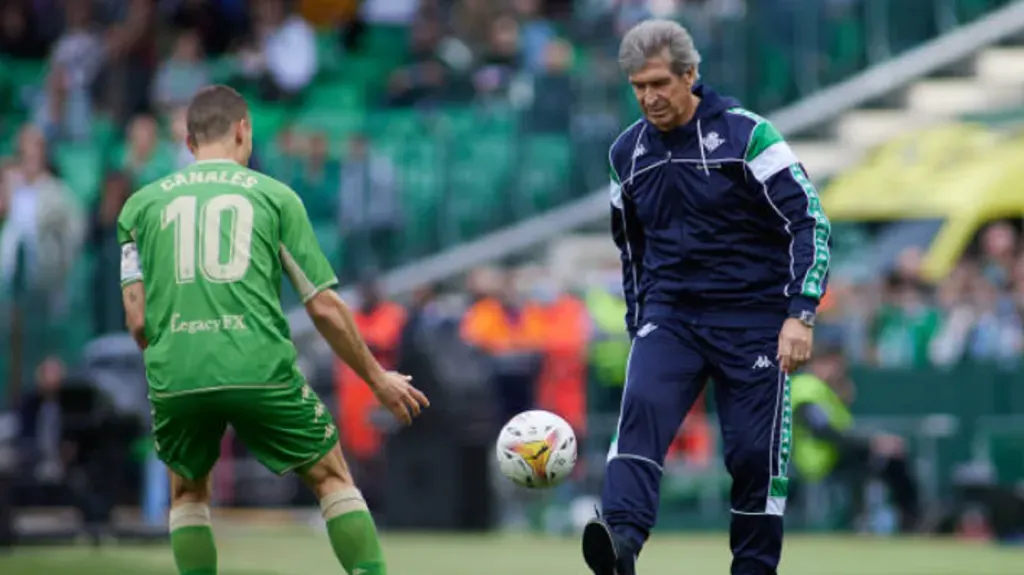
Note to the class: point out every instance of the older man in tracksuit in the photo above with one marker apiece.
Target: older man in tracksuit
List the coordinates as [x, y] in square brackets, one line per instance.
[725, 253]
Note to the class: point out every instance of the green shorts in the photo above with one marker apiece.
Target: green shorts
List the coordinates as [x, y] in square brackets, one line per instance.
[286, 427]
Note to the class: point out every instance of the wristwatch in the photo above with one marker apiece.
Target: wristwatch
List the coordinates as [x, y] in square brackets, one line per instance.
[805, 317]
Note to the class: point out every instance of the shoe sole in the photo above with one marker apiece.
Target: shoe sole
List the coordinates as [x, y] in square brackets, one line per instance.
[599, 549]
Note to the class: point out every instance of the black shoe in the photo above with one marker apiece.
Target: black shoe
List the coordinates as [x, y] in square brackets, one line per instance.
[604, 552]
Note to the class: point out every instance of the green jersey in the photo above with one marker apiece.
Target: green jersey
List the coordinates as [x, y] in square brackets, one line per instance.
[211, 242]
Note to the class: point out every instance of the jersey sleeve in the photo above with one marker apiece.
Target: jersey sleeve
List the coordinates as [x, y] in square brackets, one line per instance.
[131, 269]
[793, 196]
[301, 256]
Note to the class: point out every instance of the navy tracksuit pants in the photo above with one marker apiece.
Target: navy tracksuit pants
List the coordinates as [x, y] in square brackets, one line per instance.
[668, 366]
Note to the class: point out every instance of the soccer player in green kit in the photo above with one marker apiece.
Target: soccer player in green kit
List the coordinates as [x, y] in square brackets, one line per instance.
[202, 255]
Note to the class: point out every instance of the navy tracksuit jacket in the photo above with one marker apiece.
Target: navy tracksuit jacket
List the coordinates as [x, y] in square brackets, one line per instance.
[722, 238]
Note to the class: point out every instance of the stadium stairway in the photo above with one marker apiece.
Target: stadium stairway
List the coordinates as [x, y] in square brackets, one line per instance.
[995, 80]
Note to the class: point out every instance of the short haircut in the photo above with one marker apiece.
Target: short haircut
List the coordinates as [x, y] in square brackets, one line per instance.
[212, 112]
[652, 38]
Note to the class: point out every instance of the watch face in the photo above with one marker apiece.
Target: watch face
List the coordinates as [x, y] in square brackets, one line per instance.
[807, 318]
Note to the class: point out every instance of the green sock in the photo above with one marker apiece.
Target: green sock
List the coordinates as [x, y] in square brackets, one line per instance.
[192, 540]
[194, 550]
[353, 534]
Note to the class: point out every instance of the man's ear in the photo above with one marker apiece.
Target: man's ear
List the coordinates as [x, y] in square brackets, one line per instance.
[691, 76]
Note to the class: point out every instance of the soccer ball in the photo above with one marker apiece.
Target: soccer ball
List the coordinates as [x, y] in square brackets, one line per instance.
[536, 449]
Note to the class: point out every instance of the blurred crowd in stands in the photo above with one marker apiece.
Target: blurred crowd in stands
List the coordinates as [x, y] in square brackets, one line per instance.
[128, 68]
[134, 64]
[972, 316]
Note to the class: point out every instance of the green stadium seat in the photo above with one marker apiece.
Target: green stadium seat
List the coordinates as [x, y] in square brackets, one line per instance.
[337, 125]
[17, 75]
[366, 71]
[341, 96]
[328, 53]
[267, 119]
[544, 171]
[388, 45]
[222, 69]
[397, 125]
[80, 166]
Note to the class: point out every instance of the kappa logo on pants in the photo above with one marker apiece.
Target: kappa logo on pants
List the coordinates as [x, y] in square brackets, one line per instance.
[762, 363]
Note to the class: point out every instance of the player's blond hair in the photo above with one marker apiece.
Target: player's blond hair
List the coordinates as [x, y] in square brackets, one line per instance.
[651, 38]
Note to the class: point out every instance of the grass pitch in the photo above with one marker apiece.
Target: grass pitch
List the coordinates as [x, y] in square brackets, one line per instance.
[304, 551]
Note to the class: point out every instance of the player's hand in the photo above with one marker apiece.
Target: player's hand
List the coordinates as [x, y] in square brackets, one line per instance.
[795, 344]
[399, 397]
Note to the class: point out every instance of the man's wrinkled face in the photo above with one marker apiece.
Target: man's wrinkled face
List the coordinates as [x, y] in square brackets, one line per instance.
[663, 95]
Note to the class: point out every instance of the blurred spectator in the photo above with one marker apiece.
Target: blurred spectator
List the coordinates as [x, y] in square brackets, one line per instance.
[495, 324]
[19, 32]
[494, 78]
[381, 323]
[131, 52]
[904, 326]
[983, 327]
[629, 13]
[1018, 284]
[828, 447]
[908, 264]
[108, 311]
[392, 12]
[44, 453]
[65, 107]
[997, 336]
[999, 252]
[143, 156]
[317, 180]
[553, 90]
[63, 112]
[424, 76]
[369, 212]
[182, 74]
[218, 26]
[283, 60]
[179, 134]
[43, 229]
[472, 20]
[562, 327]
[285, 161]
[324, 13]
[535, 34]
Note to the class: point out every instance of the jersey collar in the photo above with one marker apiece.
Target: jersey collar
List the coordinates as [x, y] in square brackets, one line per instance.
[215, 161]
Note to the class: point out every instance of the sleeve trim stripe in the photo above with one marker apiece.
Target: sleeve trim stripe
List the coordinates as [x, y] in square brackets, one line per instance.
[125, 282]
[611, 162]
[615, 190]
[320, 289]
[814, 279]
[299, 278]
[775, 158]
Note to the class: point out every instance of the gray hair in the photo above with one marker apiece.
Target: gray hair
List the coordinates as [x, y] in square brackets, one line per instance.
[650, 38]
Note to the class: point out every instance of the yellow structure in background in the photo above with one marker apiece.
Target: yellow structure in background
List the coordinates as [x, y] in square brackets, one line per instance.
[963, 174]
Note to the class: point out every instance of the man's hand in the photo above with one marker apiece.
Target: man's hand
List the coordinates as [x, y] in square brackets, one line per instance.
[400, 398]
[795, 343]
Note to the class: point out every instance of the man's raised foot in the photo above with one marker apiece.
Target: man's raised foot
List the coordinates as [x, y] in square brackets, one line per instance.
[605, 552]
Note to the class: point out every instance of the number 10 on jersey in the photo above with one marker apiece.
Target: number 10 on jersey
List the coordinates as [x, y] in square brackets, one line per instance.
[232, 210]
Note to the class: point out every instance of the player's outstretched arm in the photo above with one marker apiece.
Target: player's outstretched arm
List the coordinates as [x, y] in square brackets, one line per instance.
[134, 298]
[334, 321]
